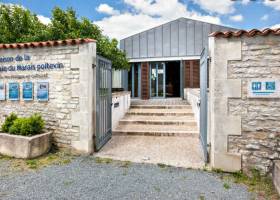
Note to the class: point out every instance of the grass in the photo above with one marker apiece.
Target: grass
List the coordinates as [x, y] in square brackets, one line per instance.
[125, 164]
[163, 166]
[103, 160]
[54, 157]
[260, 184]
[226, 186]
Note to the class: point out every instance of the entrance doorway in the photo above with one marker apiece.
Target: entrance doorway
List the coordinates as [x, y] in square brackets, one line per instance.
[157, 80]
[134, 80]
[165, 79]
[173, 79]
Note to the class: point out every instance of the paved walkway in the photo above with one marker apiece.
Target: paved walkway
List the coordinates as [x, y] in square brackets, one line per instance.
[85, 179]
[175, 151]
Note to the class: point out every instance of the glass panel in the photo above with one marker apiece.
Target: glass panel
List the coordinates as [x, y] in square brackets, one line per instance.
[153, 80]
[130, 79]
[160, 80]
[136, 80]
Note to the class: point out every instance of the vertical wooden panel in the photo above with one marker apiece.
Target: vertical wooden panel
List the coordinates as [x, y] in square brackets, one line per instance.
[192, 74]
[145, 93]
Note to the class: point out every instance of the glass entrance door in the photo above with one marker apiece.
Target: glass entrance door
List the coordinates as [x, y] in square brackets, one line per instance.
[134, 80]
[157, 80]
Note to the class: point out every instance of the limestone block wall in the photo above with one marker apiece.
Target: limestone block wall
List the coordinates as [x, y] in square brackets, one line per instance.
[245, 131]
[68, 113]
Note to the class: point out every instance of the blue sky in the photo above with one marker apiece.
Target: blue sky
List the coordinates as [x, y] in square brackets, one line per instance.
[120, 18]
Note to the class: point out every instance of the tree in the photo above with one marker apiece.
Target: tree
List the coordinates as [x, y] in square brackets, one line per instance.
[18, 24]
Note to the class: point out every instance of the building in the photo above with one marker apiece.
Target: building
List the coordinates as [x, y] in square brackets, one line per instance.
[165, 59]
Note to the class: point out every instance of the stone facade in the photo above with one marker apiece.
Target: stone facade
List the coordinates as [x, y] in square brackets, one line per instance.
[68, 113]
[258, 142]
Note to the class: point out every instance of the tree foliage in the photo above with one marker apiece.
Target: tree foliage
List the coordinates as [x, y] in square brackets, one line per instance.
[18, 24]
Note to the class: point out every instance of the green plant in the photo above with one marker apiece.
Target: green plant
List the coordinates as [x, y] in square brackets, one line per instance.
[15, 129]
[9, 122]
[27, 126]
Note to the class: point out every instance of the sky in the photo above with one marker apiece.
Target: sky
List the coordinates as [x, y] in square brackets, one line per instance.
[122, 18]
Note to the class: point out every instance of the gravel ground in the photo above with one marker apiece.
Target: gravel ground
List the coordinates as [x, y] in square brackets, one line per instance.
[84, 178]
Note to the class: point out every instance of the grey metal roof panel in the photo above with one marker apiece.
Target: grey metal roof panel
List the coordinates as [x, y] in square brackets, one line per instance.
[180, 37]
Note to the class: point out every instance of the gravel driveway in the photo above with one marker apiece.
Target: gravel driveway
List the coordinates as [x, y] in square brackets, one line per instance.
[84, 178]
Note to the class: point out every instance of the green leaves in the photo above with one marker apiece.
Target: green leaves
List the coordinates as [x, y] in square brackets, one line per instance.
[20, 25]
[25, 126]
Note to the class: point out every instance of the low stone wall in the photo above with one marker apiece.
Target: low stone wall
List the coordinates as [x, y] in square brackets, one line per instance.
[245, 130]
[120, 105]
[68, 110]
[193, 97]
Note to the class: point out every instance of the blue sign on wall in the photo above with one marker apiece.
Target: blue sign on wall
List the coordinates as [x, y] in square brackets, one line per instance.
[27, 91]
[264, 88]
[14, 91]
[43, 91]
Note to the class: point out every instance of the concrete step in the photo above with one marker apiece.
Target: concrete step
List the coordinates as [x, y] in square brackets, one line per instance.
[161, 106]
[157, 130]
[158, 120]
[160, 112]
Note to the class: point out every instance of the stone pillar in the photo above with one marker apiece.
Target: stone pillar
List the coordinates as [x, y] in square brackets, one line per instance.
[223, 124]
[83, 118]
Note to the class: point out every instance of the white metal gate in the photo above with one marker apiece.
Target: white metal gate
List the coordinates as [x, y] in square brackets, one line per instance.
[203, 101]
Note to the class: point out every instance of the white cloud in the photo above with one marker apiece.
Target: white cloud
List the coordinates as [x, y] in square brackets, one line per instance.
[106, 9]
[245, 2]
[273, 4]
[216, 6]
[275, 26]
[145, 14]
[264, 17]
[236, 18]
[44, 20]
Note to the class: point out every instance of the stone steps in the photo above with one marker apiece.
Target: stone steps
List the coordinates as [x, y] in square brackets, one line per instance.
[160, 107]
[157, 130]
[160, 112]
[158, 120]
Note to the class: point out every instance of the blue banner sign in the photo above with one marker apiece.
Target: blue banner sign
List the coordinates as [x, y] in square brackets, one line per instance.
[27, 91]
[43, 91]
[2, 92]
[13, 91]
[268, 88]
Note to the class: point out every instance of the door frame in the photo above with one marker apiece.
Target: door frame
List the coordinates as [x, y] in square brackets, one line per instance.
[138, 66]
[150, 81]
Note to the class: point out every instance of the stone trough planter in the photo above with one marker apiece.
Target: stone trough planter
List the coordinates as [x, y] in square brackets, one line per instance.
[25, 147]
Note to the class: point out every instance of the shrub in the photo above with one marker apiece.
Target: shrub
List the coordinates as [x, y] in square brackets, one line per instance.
[15, 129]
[9, 122]
[27, 126]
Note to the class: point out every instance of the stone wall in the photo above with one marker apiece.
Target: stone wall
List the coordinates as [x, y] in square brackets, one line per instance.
[68, 112]
[253, 135]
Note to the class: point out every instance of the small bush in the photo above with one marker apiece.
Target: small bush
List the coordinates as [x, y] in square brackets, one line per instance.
[26, 126]
[9, 122]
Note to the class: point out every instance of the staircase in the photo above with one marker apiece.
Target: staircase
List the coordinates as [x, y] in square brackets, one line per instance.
[154, 118]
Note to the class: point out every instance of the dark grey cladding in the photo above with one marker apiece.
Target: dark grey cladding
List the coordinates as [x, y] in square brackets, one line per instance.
[181, 37]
